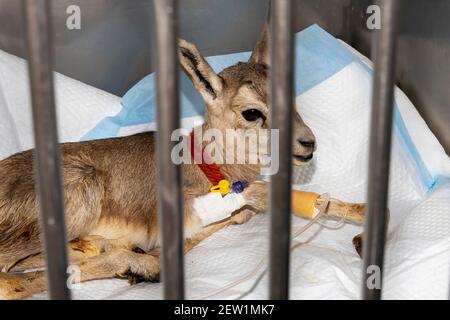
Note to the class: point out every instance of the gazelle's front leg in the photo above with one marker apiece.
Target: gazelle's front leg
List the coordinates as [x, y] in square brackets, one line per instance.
[256, 196]
[358, 240]
[353, 212]
[240, 217]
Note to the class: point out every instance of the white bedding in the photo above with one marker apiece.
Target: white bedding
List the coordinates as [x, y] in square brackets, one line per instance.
[326, 266]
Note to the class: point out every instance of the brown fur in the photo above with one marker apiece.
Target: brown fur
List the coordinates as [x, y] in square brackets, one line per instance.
[110, 190]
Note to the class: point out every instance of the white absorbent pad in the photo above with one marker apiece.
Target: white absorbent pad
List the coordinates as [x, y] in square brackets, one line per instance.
[80, 107]
[333, 96]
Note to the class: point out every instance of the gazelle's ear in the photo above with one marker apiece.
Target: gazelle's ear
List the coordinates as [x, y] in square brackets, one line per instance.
[261, 52]
[205, 80]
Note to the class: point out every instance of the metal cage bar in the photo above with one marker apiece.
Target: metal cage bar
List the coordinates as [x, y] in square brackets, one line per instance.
[380, 149]
[47, 153]
[170, 205]
[282, 101]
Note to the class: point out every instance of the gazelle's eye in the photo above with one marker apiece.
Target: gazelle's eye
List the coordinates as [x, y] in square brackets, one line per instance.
[253, 115]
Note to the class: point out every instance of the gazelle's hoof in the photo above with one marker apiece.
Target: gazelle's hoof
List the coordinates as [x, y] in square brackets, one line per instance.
[11, 287]
[358, 243]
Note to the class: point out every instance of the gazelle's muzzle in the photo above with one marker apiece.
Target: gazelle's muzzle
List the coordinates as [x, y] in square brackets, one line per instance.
[303, 144]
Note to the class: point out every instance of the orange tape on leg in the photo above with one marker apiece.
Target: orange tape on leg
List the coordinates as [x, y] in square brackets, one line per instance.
[303, 203]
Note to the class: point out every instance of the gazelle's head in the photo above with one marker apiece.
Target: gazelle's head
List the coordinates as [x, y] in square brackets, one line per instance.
[237, 97]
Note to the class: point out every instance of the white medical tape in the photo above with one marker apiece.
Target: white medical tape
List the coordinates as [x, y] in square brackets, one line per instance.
[213, 207]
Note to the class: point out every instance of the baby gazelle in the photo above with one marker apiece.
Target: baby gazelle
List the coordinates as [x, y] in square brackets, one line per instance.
[110, 190]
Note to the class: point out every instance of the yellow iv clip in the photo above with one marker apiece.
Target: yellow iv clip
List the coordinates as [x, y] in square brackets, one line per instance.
[223, 187]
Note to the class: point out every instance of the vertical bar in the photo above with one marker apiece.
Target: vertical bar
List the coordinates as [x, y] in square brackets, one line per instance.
[47, 153]
[170, 206]
[282, 101]
[380, 147]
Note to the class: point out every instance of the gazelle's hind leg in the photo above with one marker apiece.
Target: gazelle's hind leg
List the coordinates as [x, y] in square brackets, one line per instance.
[13, 287]
[116, 263]
[104, 259]
[78, 250]
[19, 286]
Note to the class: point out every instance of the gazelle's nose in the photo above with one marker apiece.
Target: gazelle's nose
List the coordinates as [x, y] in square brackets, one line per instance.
[307, 143]
[305, 139]
[304, 145]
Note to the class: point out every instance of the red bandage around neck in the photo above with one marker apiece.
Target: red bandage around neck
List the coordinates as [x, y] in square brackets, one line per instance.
[208, 167]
